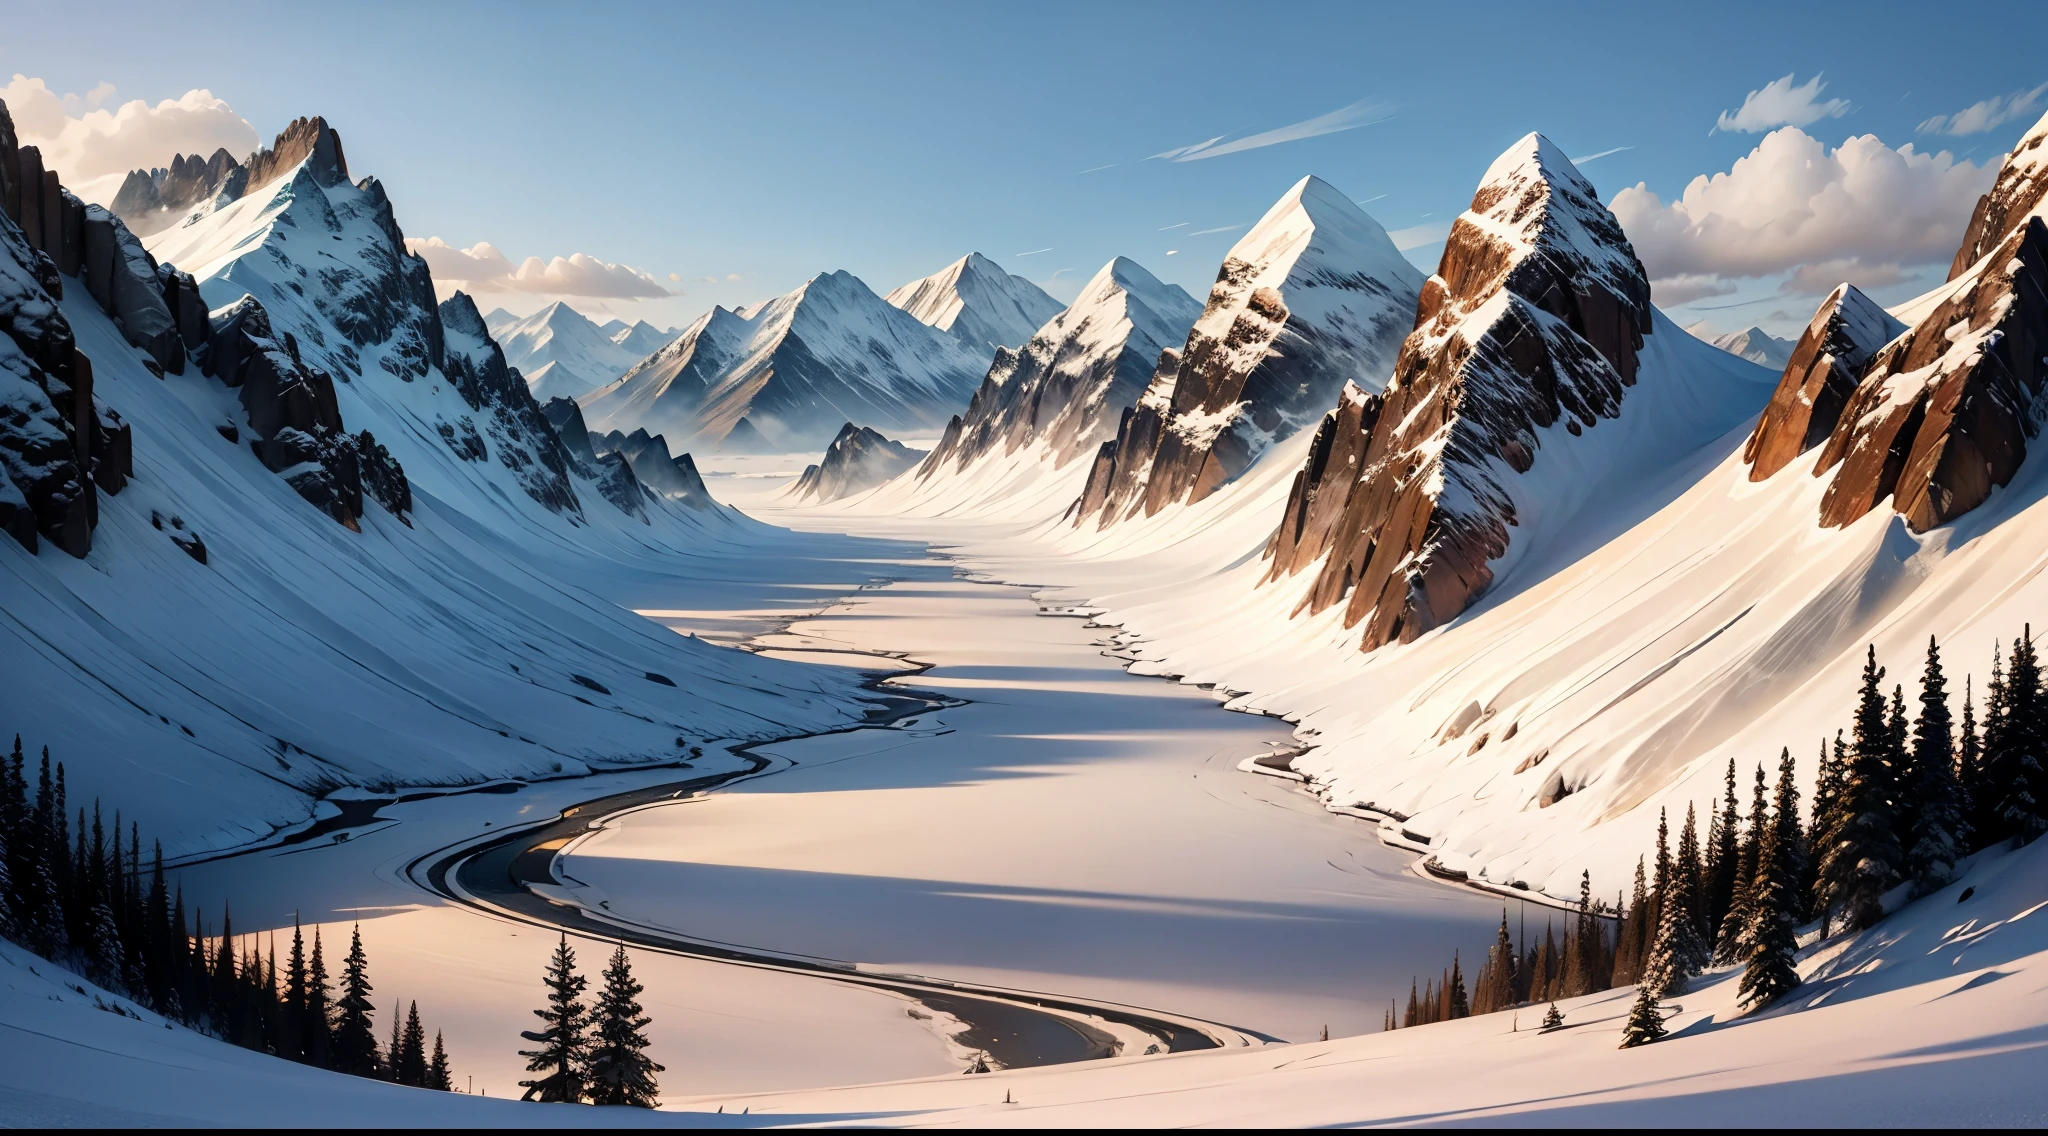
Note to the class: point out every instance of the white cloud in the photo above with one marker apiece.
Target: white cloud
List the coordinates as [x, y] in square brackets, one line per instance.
[1992, 112]
[1420, 236]
[1820, 279]
[1782, 104]
[1600, 155]
[87, 144]
[1863, 210]
[1217, 229]
[481, 268]
[1675, 291]
[1365, 112]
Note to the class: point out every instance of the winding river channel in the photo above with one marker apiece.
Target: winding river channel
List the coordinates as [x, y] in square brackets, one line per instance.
[1028, 854]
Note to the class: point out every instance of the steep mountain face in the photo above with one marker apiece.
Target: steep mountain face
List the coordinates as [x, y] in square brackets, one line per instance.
[1314, 295]
[1756, 345]
[150, 200]
[858, 459]
[664, 473]
[977, 303]
[1528, 343]
[1819, 376]
[794, 368]
[610, 471]
[562, 353]
[641, 338]
[1942, 414]
[325, 263]
[1069, 386]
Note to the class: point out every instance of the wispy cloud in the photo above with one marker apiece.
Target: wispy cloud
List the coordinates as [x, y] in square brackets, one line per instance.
[1093, 169]
[1780, 103]
[1600, 155]
[1176, 225]
[1979, 117]
[1034, 252]
[1217, 229]
[1364, 112]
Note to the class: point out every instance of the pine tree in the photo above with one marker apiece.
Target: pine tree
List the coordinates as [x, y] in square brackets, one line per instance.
[560, 1048]
[1459, 1005]
[1496, 989]
[353, 1048]
[1970, 785]
[2018, 772]
[1645, 1022]
[439, 1075]
[1660, 879]
[1413, 1017]
[621, 1073]
[1792, 841]
[1553, 1018]
[1728, 946]
[316, 1024]
[409, 1066]
[1860, 854]
[1769, 945]
[1723, 857]
[1937, 835]
[1685, 897]
[1667, 973]
[291, 1035]
[1633, 942]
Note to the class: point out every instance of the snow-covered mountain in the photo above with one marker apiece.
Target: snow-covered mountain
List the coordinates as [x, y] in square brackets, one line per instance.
[346, 548]
[1818, 376]
[1530, 339]
[1754, 344]
[793, 370]
[977, 303]
[1315, 295]
[857, 460]
[640, 338]
[1068, 387]
[564, 355]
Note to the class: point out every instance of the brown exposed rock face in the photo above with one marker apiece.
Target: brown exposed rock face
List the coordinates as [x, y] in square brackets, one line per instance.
[1313, 296]
[1848, 328]
[1535, 316]
[305, 137]
[2019, 190]
[1942, 416]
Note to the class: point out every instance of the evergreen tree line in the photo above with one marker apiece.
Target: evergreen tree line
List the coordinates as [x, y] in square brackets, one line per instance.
[1897, 802]
[82, 899]
[590, 1054]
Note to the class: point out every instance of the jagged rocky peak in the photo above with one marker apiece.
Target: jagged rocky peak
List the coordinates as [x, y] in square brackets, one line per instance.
[1315, 295]
[1752, 343]
[670, 475]
[858, 459]
[977, 303]
[1847, 329]
[527, 444]
[1067, 389]
[2016, 195]
[1533, 320]
[306, 138]
[149, 200]
[616, 481]
[1943, 414]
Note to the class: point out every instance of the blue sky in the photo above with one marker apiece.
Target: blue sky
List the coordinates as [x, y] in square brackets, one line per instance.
[757, 145]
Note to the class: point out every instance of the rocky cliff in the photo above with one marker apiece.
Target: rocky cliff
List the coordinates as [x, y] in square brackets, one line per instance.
[1533, 320]
[1313, 296]
[1818, 379]
[1943, 414]
[670, 475]
[1069, 386]
[858, 459]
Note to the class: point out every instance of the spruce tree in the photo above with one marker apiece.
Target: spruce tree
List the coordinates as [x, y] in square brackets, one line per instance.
[439, 1075]
[1769, 945]
[1727, 946]
[560, 1048]
[1497, 979]
[1937, 835]
[1723, 857]
[1970, 785]
[1553, 1018]
[353, 1048]
[2019, 771]
[292, 1035]
[1996, 744]
[410, 1064]
[1645, 1022]
[1667, 971]
[1459, 1004]
[316, 1024]
[1633, 942]
[1860, 857]
[1685, 897]
[1792, 840]
[621, 1073]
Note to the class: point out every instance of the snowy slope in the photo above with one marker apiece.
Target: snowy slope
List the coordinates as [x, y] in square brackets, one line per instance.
[214, 701]
[977, 302]
[795, 369]
[1315, 295]
[641, 339]
[579, 352]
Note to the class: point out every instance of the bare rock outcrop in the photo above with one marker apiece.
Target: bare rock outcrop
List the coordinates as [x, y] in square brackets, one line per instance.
[1313, 296]
[1826, 363]
[1944, 413]
[1535, 317]
[150, 200]
[616, 481]
[670, 475]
